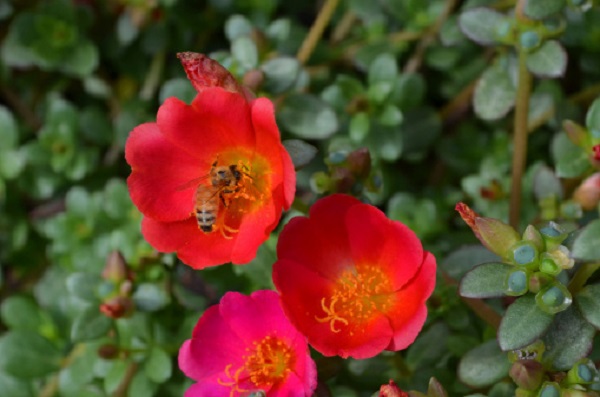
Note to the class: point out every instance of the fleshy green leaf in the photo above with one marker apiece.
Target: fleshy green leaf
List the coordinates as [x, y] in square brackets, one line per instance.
[485, 281]
[592, 118]
[13, 386]
[481, 24]
[586, 245]
[494, 93]
[8, 129]
[301, 152]
[550, 60]
[588, 302]
[484, 365]
[19, 312]
[141, 385]
[540, 9]
[546, 184]
[523, 323]
[237, 26]
[158, 366]
[571, 161]
[20, 347]
[83, 286]
[83, 60]
[150, 297]
[280, 74]
[179, 88]
[90, 324]
[458, 262]
[308, 117]
[427, 348]
[568, 339]
[244, 50]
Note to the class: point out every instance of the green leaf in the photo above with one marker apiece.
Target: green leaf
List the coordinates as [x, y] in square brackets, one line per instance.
[426, 350]
[83, 286]
[540, 9]
[150, 297]
[546, 184]
[22, 346]
[485, 281]
[90, 324]
[82, 61]
[178, 88]
[158, 366]
[390, 116]
[141, 385]
[301, 152]
[550, 60]
[420, 129]
[308, 117]
[523, 323]
[460, 261]
[494, 93]
[9, 133]
[408, 91]
[117, 203]
[481, 24]
[12, 162]
[281, 74]
[571, 160]
[237, 26]
[244, 50]
[383, 68]
[115, 375]
[484, 365]
[19, 312]
[359, 127]
[568, 339]
[80, 371]
[12, 386]
[586, 245]
[592, 118]
[588, 302]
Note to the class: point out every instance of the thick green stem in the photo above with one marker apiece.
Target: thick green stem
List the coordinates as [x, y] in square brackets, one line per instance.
[581, 276]
[519, 139]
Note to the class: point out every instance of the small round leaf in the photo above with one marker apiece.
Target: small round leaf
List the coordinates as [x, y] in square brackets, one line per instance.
[523, 323]
[485, 281]
[484, 365]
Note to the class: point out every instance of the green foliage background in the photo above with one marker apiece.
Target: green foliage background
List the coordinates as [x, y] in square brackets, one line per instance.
[427, 86]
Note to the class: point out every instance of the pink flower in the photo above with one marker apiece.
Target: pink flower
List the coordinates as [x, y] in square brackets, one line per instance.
[244, 345]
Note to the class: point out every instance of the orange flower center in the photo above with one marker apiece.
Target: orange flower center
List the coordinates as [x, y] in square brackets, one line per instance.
[268, 361]
[358, 295]
[238, 183]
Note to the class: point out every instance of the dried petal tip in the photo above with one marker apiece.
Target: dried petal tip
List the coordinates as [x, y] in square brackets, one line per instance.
[204, 72]
[494, 234]
[391, 390]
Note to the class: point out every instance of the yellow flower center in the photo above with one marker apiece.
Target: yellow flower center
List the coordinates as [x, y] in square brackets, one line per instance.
[267, 362]
[358, 295]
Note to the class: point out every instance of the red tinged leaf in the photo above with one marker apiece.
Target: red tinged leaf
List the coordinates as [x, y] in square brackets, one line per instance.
[204, 72]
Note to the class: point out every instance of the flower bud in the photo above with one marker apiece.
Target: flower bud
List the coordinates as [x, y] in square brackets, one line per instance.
[115, 269]
[539, 280]
[576, 133]
[359, 162]
[391, 390]
[320, 182]
[553, 298]
[561, 256]
[253, 79]
[527, 374]
[117, 307]
[496, 235]
[588, 193]
[532, 235]
[342, 179]
[108, 351]
[577, 393]
[523, 393]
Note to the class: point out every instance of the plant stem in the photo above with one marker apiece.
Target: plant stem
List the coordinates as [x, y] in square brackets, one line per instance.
[343, 27]
[581, 277]
[519, 139]
[316, 30]
[124, 385]
[51, 387]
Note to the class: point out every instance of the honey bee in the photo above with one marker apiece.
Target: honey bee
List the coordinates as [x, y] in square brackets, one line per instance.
[223, 188]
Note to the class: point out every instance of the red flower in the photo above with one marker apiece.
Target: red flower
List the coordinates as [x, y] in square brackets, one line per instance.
[211, 178]
[351, 280]
[245, 345]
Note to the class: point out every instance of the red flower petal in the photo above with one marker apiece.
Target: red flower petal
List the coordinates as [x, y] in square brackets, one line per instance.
[159, 169]
[384, 243]
[216, 121]
[268, 143]
[409, 315]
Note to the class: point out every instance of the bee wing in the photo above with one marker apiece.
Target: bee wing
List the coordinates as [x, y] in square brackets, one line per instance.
[193, 183]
